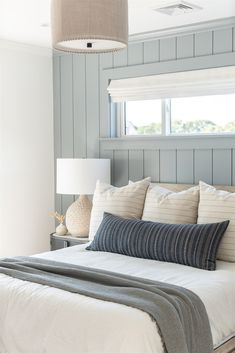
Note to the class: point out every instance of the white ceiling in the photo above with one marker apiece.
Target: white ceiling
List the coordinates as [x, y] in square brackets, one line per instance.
[24, 20]
[143, 18]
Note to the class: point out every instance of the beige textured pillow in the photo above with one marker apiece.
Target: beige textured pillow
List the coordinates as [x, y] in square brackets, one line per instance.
[165, 206]
[127, 202]
[216, 206]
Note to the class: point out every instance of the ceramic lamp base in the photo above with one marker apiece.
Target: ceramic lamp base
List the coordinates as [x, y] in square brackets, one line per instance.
[78, 217]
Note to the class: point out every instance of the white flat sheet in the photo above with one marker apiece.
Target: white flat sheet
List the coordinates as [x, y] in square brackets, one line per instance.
[40, 319]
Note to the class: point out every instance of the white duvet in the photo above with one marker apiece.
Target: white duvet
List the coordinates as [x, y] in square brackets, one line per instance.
[40, 319]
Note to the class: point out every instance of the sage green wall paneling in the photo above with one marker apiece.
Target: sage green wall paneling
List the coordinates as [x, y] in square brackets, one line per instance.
[151, 164]
[136, 165]
[168, 166]
[120, 167]
[203, 166]
[233, 38]
[109, 155]
[57, 122]
[203, 43]
[151, 51]
[200, 158]
[106, 61]
[79, 102]
[223, 41]
[185, 46]
[233, 166]
[120, 58]
[186, 64]
[135, 54]
[105, 128]
[67, 122]
[82, 110]
[168, 49]
[67, 100]
[185, 166]
[92, 105]
[222, 166]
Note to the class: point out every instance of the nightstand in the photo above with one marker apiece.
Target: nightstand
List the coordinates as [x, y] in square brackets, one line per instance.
[60, 242]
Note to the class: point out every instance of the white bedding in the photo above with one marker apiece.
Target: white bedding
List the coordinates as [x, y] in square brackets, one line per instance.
[40, 319]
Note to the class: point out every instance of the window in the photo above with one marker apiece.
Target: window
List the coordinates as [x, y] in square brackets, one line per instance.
[190, 115]
[208, 114]
[143, 117]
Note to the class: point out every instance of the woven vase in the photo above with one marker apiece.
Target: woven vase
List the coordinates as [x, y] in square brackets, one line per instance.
[78, 217]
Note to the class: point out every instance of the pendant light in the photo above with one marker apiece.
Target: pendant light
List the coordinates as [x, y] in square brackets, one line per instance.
[89, 26]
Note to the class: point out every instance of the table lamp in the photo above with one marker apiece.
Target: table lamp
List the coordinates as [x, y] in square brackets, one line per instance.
[79, 177]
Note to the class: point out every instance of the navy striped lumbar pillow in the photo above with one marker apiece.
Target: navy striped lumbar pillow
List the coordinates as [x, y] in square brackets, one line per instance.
[193, 245]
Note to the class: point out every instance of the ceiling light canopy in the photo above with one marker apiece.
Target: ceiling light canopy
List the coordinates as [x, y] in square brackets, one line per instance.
[89, 26]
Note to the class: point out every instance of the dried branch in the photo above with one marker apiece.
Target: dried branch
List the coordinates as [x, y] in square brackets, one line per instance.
[60, 217]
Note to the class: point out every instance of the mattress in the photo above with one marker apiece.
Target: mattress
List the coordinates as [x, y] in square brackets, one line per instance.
[36, 319]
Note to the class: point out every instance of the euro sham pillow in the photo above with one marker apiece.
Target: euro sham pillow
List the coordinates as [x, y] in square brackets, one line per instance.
[165, 206]
[193, 245]
[216, 206]
[126, 201]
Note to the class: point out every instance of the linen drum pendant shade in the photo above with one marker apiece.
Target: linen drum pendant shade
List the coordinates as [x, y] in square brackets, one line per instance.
[89, 26]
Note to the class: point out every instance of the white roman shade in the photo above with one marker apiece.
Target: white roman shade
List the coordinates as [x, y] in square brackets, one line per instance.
[173, 85]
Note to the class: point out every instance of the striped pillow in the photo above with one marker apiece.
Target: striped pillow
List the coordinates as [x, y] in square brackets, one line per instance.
[216, 206]
[187, 244]
[127, 202]
[163, 205]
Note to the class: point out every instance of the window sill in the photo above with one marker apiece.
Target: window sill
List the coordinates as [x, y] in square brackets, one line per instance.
[169, 137]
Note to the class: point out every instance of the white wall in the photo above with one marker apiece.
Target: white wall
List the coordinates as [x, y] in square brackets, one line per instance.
[26, 149]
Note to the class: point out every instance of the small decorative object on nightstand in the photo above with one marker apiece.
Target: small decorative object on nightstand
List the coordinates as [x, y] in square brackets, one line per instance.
[78, 177]
[61, 229]
[60, 242]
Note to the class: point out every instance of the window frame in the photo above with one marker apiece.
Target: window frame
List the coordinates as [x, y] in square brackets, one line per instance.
[165, 124]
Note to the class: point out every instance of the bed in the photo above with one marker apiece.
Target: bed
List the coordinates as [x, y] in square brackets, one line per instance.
[36, 318]
[58, 322]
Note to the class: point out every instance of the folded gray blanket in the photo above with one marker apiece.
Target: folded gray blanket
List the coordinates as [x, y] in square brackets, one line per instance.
[180, 315]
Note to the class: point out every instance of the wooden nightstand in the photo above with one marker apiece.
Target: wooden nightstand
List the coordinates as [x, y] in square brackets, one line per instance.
[60, 242]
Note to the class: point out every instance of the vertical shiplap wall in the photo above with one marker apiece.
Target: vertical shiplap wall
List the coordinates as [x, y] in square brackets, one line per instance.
[82, 111]
[178, 161]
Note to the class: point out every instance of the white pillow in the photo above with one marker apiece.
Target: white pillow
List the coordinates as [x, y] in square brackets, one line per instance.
[165, 206]
[126, 201]
[216, 206]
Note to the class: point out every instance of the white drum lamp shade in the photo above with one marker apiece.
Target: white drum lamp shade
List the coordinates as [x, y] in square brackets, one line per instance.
[89, 26]
[79, 177]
